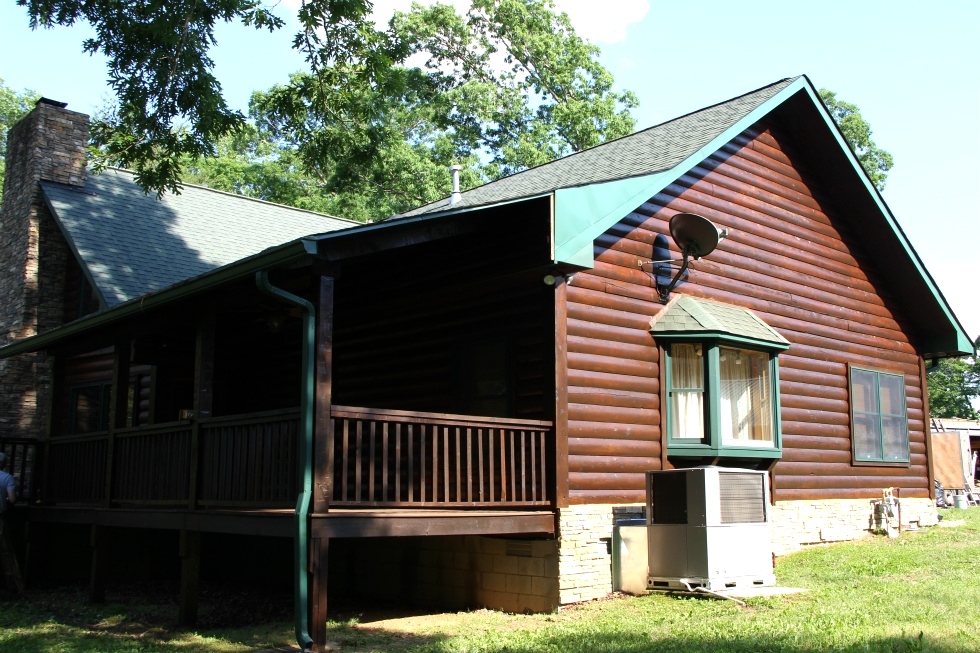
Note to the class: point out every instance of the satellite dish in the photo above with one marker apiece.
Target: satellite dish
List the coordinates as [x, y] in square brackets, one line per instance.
[695, 236]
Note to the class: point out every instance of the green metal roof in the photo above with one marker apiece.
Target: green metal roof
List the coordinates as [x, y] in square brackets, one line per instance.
[691, 316]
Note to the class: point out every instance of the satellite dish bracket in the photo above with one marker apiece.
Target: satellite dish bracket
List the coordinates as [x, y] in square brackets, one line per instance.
[696, 237]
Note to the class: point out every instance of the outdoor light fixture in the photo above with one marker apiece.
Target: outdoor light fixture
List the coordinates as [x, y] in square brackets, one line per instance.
[695, 236]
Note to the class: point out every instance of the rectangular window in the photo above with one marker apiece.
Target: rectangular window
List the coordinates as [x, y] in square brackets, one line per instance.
[879, 425]
[89, 408]
[746, 399]
[687, 391]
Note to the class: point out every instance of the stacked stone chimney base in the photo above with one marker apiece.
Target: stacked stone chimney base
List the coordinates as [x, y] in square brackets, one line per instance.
[50, 144]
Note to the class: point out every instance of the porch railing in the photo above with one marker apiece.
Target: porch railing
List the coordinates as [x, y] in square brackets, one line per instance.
[379, 458]
[21, 454]
[390, 458]
[242, 460]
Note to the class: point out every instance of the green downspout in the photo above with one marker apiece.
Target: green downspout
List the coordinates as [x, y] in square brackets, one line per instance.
[301, 548]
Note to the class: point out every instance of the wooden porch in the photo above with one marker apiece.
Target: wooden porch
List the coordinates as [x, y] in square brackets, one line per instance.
[190, 473]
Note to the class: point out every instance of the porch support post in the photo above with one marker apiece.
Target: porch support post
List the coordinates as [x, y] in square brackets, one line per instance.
[927, 428]
[561, 393]
[203, 395]
[323, 426]
[118, 405]
[190, 574]
[318, 590]
[96, 588]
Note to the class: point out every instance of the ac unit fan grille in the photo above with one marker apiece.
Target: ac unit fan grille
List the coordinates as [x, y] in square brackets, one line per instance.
[742, 498]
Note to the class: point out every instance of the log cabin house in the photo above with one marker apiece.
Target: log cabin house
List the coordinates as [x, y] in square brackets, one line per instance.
[455, 404]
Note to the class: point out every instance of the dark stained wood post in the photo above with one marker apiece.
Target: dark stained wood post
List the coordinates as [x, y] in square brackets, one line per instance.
[54, 418]
[118, 405]
[318, 590]
[203, 395]
[190, 574]
[561, 393]
[96, 588]
[927, 428]
[323, 425]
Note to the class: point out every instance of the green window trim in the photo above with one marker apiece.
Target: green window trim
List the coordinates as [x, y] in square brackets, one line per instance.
[881, 460]
[712, 444]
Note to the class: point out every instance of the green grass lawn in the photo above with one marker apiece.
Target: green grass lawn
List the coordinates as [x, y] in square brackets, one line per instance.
[917, 593]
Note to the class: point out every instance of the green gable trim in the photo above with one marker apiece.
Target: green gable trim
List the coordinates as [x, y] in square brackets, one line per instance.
[584, 213]
[960, 344]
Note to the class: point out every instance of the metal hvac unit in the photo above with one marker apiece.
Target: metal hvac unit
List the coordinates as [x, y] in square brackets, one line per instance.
[708, 527]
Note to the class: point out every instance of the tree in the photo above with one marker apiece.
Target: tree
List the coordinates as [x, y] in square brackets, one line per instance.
[13, 107]
[507, 86]
[953, 384]
[875, 161]
[169, 105]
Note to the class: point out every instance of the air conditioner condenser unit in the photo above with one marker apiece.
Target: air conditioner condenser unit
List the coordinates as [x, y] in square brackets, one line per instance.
[708, 527]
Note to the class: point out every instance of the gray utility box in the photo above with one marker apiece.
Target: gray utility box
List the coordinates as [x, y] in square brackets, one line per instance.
[708, 527]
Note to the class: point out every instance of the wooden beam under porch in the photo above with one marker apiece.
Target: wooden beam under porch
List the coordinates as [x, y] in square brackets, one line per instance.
[345, 523]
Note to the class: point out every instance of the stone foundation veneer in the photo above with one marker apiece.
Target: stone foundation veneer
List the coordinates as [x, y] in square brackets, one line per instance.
[796, 524]
[584, 558]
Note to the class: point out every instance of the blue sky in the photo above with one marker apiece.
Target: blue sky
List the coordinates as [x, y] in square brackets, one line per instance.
[912, 68]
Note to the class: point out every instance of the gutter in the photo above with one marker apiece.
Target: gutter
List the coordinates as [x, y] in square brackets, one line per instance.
[277, 256]
[301, 544]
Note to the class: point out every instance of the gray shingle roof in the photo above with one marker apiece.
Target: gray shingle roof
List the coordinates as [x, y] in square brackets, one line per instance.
[646, 152]
[133, 243]
[687, 315]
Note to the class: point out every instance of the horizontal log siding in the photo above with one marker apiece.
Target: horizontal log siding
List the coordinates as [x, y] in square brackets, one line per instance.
[788, 259]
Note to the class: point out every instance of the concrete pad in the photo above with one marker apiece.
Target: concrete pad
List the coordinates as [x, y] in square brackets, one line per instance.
[753, 592]
[951, 523]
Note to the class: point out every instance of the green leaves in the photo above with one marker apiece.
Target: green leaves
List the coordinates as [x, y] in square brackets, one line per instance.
[875, 161]
[13, 107]
[953, 384]
[505, 87]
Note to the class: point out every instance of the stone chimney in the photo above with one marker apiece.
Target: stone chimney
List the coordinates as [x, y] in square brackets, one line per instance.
[49, 143]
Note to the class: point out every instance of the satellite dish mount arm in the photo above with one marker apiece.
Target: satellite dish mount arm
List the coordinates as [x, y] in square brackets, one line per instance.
[664, 291]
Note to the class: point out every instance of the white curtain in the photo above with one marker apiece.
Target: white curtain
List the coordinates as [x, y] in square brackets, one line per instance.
[746, 409]
[687, 396]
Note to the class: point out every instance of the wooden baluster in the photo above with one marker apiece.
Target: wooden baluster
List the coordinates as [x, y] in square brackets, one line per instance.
[479, 444]
[411, 465]
[469, 465]
[513, 474]
[357, 463]
[445, 464]
[534, 469]
[544, 474]
[523, 469]
[435, 463]
[384, 461]
[503, 466]
[345, 454]
[398, 462]
[423, 461]
[371, 464]
[490, 455]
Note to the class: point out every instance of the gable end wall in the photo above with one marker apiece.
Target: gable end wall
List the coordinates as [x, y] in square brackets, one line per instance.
[788, 259]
